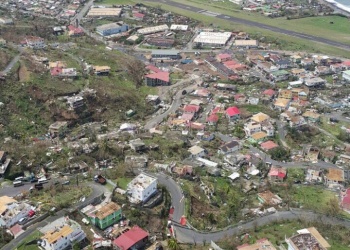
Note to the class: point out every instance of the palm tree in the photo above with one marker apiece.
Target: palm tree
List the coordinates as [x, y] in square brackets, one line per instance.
[173, 244]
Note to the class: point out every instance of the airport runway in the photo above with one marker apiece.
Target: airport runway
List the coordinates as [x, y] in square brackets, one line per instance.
[255, 24]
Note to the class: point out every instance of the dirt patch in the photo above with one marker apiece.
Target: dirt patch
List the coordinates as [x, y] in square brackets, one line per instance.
[23, 73]
[5, 59]
[199, 208]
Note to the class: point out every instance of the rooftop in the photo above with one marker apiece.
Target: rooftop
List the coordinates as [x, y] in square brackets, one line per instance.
[262, 244]
[106, 210]
[104, 12]
[163, 76]
[53, 236]
[141, 181]
[130, 238]
[335, 174]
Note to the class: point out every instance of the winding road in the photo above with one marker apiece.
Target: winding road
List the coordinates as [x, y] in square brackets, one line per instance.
[255, 24]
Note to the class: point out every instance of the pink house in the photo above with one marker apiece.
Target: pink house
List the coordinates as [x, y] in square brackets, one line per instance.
[277, 173]
[233, 113]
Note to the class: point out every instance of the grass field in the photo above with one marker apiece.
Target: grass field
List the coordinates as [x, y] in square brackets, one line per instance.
[29, 243]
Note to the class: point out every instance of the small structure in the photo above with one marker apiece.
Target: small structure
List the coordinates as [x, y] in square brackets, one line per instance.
[57, 128]
[229, 147]
[197, 151]
[141, 188]
[233, 113]
[103, 216]
[75, 31]
[152, 99]
[75, 102]
[101, 70]
[334, 177]
[137, 145]
[308, 238]
[267, 197]
[262, 244]
[268, 145]
[277, 173]
[134, 238]
[62, 237]
[312, 116]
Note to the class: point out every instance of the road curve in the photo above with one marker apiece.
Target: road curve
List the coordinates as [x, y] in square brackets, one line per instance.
[259, 25]
[193, 236]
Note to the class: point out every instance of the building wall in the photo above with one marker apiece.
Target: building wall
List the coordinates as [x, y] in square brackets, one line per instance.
[143, 194]
[77, 235]
[112, 31]
[156, 82]
[107, 221]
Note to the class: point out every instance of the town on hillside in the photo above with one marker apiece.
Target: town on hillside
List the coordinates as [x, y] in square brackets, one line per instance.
[128, 126]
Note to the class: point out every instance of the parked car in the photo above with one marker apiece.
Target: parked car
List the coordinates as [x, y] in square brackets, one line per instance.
[23, 220]
[31, 213]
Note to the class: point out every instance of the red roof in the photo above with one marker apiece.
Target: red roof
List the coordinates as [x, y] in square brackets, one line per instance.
[56, 71]
[346, 200]
[187, 116]
[224, 56]
[269, 92]
[130, 238]
[16, 230]
[191, 108]
[278, 172]
[231, 62]
[195, 125]
[346, 63]
[268, 145]
[75, 30]
[153, 68]
[163, 76]
[138, 15]
[213, 118]
[231, 111]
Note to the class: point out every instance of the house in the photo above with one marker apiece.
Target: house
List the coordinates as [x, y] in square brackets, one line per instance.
[142, 188]
[268, 145]
[213, 119]
[233, 113]
[182, 171]
[57, 128]
[101, 70]
[63, 72]
[313, 175]
[191, 108]
[283, 63]
[260, 118]
[307, 62]
[259, 136]
[223, 57]
[138, 16]
[298, 72]
[282, 104]
[11, 211]
[153, 99]
[300, 93]
[137, 145]
[312, 116]
[295, 58]
[346, 75]
[252, 128]
[269, 94]
[267, 197]
[158, 79]
[63, 236]
[336, 68]
[344, 158]
[111, 29]
[277, 174]
[269, 129]
[34, 42]
[279, 75]
[266, 67]
[75, 31]
[334, 177]
[75, 102]
[323, 70]
[229, 147]
[262, 244]
[307, 238]
[285, 93]
[197, 151]
[103, 215]
[315, 82]
[132, 239]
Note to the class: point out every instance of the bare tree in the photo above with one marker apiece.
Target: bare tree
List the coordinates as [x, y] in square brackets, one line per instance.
[136, 70]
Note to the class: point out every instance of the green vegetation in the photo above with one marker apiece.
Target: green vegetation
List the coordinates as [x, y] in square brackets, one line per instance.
[30, 242]
[123, 182]
[60, 196]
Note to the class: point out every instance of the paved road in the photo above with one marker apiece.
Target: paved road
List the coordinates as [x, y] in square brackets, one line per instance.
[97, 190]
[176, 103]
[13, 62]
[258, 25]
[282, 133]
[187, 235]
[82, 12]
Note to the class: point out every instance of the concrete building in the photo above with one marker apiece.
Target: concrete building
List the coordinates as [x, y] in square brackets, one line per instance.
[197, 151]
[154, 29]
[57, 127]
[314, 82]
[158, 79]
[11, 211]
[130, 239]
[262, 244]
[141, 188]
[104, 12]
[246, 43]
[111, 29]
[212, 39]
[166, 54]
[103, 216]
[178, 27]
[75, 102]
[308, 238]
[101, 70]
[346, 76]
[63, 236]
[34, 42]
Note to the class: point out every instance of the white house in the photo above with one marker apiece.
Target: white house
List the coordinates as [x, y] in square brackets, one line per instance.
[197, 151]
[142, 188]
[34, 42]
[252, 128]
[11, 211]
[62, 236]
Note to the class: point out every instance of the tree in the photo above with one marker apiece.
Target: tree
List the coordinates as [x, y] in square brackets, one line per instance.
[173, 244]
[136, 70]
[280, 154]
[332, 208]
